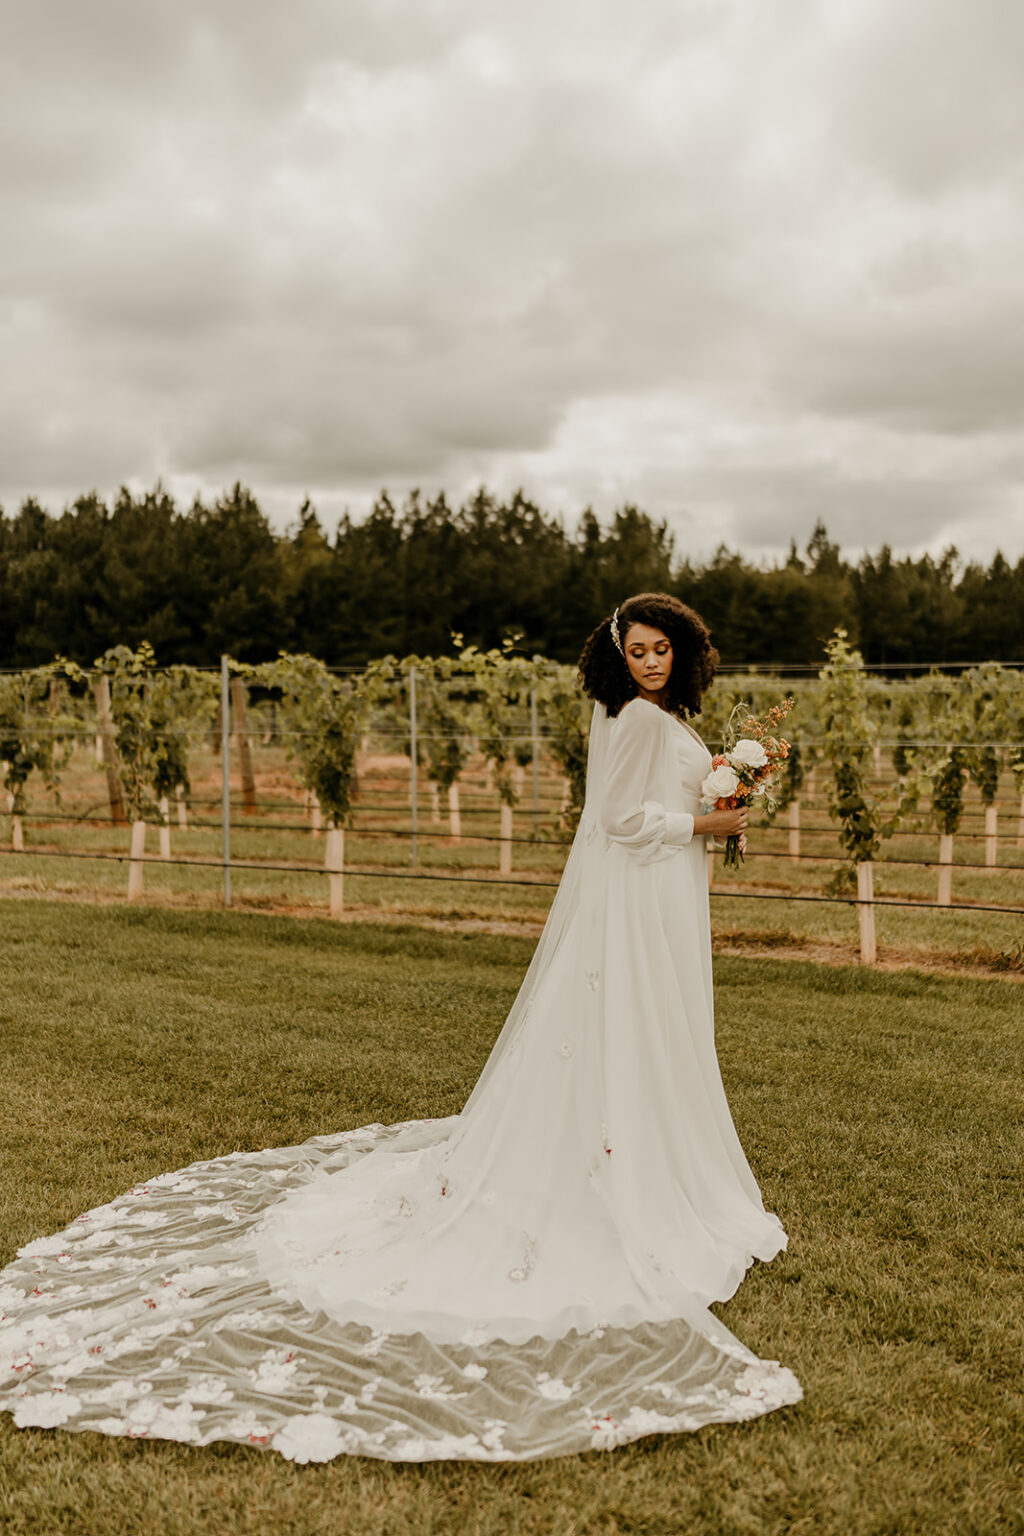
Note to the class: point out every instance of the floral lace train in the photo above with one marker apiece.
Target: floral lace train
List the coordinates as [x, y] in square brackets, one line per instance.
[149, 1317]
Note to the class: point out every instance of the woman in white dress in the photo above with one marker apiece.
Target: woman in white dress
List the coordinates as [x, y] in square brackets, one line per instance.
[528, 1278]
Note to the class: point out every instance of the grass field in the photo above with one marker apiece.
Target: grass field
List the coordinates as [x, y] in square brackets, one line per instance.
[880, 1112]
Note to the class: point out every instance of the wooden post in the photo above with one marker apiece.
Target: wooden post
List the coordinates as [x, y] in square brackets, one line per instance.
[1020, 824]
[101, 693]
[334, 863]
[454, 813]
[179, 795]
[17, 835]
[945, 869]
[165, 828]
[435, 802]
[505, 861]
[811, 782]
[876, 759]
[244, 746]
[135, 862]
[414, 793]
[225, 777]
[991, 836]
[866, 912]
[316, 816]
[535, 761]
[794, 830]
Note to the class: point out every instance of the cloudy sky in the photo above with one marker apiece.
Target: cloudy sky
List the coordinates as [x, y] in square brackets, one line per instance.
[743, 262]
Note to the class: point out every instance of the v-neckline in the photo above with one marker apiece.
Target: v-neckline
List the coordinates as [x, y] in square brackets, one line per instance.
[689, 731]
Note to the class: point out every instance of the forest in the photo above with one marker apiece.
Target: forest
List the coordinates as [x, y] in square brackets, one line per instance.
[216, 577]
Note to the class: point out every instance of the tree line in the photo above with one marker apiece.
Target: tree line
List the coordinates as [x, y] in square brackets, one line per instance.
[216, 577]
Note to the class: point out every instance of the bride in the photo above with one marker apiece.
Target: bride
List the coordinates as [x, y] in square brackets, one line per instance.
[528, 1278]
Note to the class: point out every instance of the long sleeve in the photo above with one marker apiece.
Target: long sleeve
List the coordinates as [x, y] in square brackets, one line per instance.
[629, 814]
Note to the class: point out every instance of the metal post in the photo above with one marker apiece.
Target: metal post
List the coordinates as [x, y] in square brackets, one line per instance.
[225, 774]
[414, 787]
[536, 762]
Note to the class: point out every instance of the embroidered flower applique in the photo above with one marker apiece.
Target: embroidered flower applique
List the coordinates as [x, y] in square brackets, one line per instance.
[525, 1269]
[593, 977]
[553, 1387]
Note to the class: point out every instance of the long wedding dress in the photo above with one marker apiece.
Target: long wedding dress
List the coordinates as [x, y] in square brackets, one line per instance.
[528, 1278]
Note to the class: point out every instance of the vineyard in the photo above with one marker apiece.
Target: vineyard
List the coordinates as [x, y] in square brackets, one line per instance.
[446, 789]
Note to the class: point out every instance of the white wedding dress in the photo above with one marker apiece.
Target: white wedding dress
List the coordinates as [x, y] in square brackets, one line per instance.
[528, 1278]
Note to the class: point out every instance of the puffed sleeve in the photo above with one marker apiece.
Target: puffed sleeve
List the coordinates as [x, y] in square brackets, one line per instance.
[628, 814]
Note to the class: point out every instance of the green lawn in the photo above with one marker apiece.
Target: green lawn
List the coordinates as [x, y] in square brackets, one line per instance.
[880, 1111]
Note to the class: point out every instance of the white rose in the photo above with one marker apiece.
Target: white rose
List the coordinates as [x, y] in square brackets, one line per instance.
[748, 754]
[720, 784]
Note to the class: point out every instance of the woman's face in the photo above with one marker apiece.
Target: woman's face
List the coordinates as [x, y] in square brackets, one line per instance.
[649, 659]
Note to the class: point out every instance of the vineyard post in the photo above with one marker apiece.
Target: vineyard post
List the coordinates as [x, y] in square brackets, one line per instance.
[991, 836]
[179, 795]
[165, 827]
[505, 856]
[334, 863]
[794, 830]
[225, 776]
[101, 693]
[135, 860]
[534, 735]
[455, 814]
[945, 895]
[413, 753]
[244, 746]
[866, 911]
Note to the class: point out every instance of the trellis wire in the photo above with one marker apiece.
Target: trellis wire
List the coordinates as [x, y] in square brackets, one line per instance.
[389, 874]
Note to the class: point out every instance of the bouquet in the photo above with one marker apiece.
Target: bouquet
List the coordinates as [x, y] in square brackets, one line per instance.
[743, 772]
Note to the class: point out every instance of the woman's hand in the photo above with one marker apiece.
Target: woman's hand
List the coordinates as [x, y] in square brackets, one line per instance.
[721, 824]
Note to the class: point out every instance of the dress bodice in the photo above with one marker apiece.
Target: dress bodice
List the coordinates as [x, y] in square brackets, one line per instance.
[694, 760]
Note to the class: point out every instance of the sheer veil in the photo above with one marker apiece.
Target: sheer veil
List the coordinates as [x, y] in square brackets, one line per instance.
[574, 881]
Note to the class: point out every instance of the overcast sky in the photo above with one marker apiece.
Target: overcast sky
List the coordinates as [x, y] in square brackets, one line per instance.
[742, 262]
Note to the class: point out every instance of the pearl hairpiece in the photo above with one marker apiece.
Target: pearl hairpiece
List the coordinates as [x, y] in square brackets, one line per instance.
[615, 633]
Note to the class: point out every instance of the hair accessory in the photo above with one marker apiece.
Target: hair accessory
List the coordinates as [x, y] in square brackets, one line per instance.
[615, 633]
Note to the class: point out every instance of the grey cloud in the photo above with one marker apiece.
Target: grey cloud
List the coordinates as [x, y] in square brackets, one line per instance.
[329, 246]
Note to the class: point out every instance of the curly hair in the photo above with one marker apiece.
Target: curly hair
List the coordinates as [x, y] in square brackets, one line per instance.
[604, 675]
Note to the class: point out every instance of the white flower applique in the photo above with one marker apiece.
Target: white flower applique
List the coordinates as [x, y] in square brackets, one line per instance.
[524, 1270]
[593, 978]
[374, 1344]
[434, 1386]
[606, 1433]
[311, 1437]
[276, 1371]
[45, 1410]
[553, 1387]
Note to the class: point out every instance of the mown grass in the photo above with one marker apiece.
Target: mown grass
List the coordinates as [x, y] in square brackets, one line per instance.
[880, 1112]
